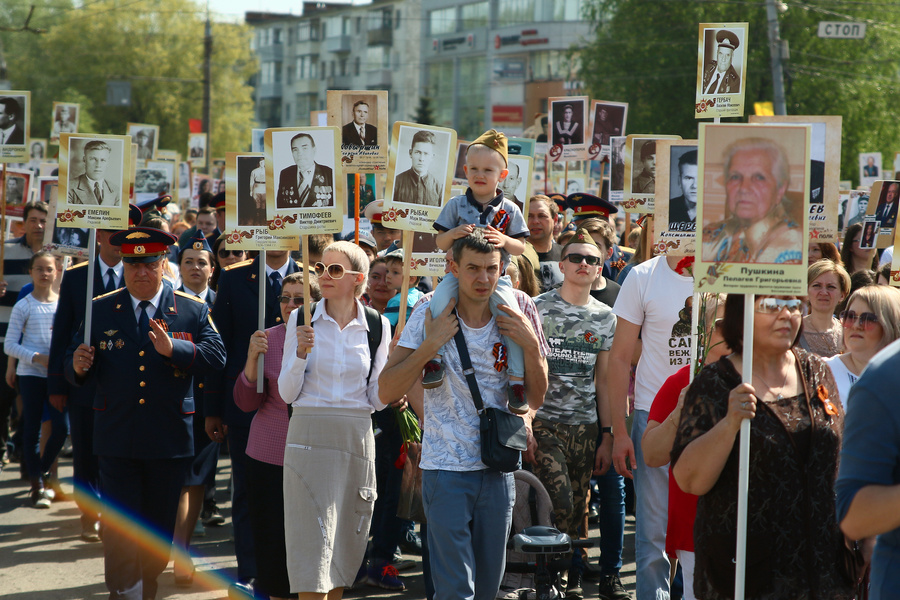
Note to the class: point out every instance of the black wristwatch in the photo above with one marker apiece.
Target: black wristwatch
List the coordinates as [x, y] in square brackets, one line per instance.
[606, 430]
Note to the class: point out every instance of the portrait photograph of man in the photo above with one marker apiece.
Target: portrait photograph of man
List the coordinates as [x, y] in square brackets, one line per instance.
[13, 121]
[305, 183]
[197, 147]
[150, 183]
[683, 185]
[617, 164]
[515, 186]
[857, 208]
[721, 69]
[886, 212]
[251, 191]
[419, 179]
[459, 174]
[568, 122]
[609, 121]
[95, 172]
[65, 120]
[18, 188]
[643, 166]
[753, 196]
[360, 131]
[869, 168]
[146, 137]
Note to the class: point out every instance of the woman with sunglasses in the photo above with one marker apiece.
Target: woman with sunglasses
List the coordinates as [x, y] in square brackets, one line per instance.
[871, 322]
[224, 257]
[828, 285]
[793, 542]
[265, 444]
[326, 378]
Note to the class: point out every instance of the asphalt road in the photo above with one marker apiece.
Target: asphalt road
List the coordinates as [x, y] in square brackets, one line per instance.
[42, 556]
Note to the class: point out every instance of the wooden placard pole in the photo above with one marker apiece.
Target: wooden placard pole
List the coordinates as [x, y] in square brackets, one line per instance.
[261, 320]
[740, 556]
[89, 289]
[304, 250]
[2, 218]
[357, 201]
[695, 339]
[406, 246]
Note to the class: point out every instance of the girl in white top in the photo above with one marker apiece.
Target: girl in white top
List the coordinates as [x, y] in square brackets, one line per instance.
[28, 340]
[871, 322]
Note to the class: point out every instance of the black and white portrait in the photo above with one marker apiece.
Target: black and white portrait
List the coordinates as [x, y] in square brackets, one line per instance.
[303, 164]
[683, 185]
[13, 120]
[608, 121]
[65, 120]
[515, 185]
[146, 139]
[568, 122]
[420, 170]
[251, 191]
[723, 61]
[95, 171]
[197, 147]
[360, 120]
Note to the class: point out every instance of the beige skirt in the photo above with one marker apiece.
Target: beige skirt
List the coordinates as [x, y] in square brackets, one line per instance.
[329, 496]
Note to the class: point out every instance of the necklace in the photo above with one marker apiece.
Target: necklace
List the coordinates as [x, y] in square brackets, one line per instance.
[771, 389]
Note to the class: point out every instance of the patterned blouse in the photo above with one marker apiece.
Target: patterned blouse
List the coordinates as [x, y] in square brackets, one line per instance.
[793, 538]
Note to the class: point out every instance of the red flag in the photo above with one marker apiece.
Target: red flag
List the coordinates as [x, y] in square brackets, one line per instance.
[195, 125]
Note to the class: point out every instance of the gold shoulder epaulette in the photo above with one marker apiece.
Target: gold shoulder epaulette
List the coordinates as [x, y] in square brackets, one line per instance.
[106, 294]
[191, 296]
[239, 264]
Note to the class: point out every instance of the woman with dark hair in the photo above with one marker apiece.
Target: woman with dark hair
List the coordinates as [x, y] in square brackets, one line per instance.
[858, 280]
[793, 541]
[820, 250]
[223, 257]
[852, 256]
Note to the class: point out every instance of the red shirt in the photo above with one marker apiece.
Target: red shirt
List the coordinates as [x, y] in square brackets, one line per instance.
[682, 506]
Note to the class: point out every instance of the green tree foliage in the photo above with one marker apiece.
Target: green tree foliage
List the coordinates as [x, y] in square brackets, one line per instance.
[424, 113]
[157, 45]
[645, 53]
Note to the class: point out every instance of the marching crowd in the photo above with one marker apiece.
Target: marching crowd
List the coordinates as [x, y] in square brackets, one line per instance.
[588, 341]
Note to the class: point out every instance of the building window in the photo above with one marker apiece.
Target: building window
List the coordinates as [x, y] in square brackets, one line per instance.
[397, 20]
[303, 31]
[276, 35]
[442, 21]
[343, 67]
[515, 12]
[277, 71]
[312, 69]
[287, 113]
[378, 57]
[440, 89]
[475, 15]
[548, 64]
[323, 73]
[567, 10]
[356, 63]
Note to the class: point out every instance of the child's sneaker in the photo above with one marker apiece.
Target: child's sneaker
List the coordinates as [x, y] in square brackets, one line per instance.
[515, 399]
[434, 374]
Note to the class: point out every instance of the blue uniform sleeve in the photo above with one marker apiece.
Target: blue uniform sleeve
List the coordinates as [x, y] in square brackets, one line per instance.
[214, 380]
[203, 354]
[64, 323]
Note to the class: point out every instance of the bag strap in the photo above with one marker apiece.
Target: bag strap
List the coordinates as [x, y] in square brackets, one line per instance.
[468, 371]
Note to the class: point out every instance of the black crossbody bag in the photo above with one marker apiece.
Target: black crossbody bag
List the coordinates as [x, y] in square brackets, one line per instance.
[502, 434]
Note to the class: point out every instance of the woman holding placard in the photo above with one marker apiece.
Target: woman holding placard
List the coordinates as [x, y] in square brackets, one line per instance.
[793, 542]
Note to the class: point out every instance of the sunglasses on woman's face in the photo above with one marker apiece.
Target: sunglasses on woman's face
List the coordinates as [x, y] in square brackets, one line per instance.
[334, 270]
[866, 320]
[227, 253]
[295, 300]
[771, 306]
[576, 259]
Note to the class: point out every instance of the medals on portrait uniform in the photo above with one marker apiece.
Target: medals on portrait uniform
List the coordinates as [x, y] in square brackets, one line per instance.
[323, 194]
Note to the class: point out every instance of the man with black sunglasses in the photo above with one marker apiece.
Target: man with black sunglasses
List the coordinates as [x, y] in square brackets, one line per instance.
[234, 314]
[580, 331]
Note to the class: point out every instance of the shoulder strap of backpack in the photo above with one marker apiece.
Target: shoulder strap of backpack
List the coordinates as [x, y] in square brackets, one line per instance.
[373, 320]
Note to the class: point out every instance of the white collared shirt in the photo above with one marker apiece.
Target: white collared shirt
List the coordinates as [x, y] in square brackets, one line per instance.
[282, 269]
[118, 269]
[334, 373]
[151, 310]
[5, 133]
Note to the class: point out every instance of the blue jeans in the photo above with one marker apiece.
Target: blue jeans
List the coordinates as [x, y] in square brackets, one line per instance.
[469, 515]
[35, 400]
[448, 289]
[651, 491]
[612, 520]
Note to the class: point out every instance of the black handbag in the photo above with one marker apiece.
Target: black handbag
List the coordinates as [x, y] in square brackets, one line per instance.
[502, 434]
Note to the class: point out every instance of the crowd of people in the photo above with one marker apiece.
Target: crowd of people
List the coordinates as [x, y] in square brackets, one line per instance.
[563, 324]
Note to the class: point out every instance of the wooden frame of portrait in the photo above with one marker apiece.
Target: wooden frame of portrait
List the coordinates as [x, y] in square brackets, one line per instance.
[636, 200]
[72, 188]
[720, 103]
[139, 131]
[670, 238]
[17, 152]
[354, 157]
[70, 125]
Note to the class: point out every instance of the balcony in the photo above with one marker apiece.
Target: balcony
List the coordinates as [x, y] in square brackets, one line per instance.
[340, 82]
[383, 36]
[306, 86]
[378, 79]
[338, 44]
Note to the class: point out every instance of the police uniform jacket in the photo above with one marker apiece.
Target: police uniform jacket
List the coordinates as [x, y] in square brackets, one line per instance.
[235, 314]
[69, 316]
[197, 392]
[143, 408]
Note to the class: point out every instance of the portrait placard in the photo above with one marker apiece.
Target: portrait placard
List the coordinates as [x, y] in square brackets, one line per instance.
[146, 137]
[184, 180]
[884, 211]
[869, 168]
[362, 117]
[201, 183]
[217, 169]
[517, 184]
[318, 118]
[197, 147]
[246, 220]
[15, 125]
[60, 240]
[168, 167]
[607, 121]
[304, 180]
[721, 70]
[367, 192]
[517, 146]
[825, 171]
[459, 171]
[617, 169]
[568, 121]
[640, 171]
[149, 183]
[426, 259]
[675, 208]
[752, 205]
[857, 207]
[869, 233]
[162, 154]
[65, 119]
[18, 191]
[258, 140]
[94, 177]
[419, 175]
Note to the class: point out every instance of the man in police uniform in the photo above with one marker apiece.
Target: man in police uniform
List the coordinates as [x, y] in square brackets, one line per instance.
[146, 341]
[108, 276]
[235, 313]
[719, 76]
